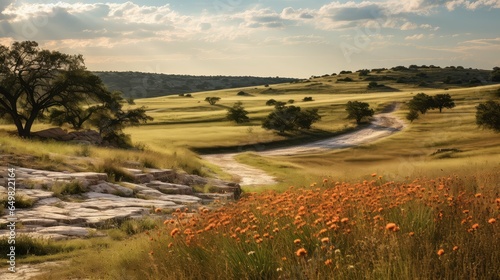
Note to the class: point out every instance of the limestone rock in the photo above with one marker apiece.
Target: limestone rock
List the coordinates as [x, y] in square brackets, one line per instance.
[68, 231]
[169, 188]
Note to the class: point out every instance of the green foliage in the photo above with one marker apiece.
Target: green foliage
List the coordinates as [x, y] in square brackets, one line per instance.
[112, 119]
[212, 100]
[289, 118]
[271, 102]
[363, 72]
[28, 246]
[238, 113]
[35, 80]
[358, 110]
[443, 101]
[421, 103]
[488, 115]
[412, 115]
[372, 85]
[495, 74]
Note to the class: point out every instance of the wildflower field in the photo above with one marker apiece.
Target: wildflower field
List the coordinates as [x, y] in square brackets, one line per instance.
[442, 228]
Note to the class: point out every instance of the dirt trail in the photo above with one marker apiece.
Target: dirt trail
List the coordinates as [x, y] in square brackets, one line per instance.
[383, 125]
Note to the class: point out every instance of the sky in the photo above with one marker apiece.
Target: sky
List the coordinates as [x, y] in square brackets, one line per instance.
[287, 38]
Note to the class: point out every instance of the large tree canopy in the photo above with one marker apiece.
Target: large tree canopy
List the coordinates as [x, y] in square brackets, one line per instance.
[33, 80]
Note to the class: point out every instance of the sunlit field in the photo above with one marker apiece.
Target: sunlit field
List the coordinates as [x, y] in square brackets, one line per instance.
[420, 228]
[422, 203]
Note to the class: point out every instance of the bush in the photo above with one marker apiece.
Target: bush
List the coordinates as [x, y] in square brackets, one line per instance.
[372, 85]
[358, 110]
[241, 93]
[346, 79]
[488, 115]
[363, 72]
[271, 102]
[421, 103]
[289, 118]
[412, 115]
[306, 99]
[212, 100]
[345, 72]
[237, 113]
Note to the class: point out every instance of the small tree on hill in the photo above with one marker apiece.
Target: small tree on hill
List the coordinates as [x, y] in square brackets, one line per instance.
[441, 101]
[270, 102]
[488, 115]
[358, 110]
[237, 113]
[212, 100]
[289, 118]
[421, 103]
[412, 115]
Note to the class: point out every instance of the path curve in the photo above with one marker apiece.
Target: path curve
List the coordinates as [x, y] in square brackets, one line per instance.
[383, 125]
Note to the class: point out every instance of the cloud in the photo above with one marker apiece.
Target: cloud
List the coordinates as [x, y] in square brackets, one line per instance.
[409, 26]
[472, 5]
[415, 37]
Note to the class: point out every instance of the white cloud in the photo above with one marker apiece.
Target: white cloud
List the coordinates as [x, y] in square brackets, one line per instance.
[409, 26]
[415, 37]
[472, 5]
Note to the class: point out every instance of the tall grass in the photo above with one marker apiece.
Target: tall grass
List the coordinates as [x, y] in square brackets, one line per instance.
[334, 230]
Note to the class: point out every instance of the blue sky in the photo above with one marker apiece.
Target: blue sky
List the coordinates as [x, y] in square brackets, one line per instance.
[264, 38]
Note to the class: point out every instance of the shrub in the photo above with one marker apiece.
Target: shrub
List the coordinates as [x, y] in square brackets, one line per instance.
[309, 98]
[289, 118]
[488, 115]
[412, 115]
[212, 100]
[237, 113]
[421, 103]
[358, 110]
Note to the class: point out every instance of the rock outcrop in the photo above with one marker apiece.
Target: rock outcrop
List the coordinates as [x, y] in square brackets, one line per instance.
[75, 205]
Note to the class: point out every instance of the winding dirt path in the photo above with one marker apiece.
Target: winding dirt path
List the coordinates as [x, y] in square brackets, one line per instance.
[383, 125]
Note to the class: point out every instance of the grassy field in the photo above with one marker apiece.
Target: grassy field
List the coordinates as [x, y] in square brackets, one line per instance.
[383, 210]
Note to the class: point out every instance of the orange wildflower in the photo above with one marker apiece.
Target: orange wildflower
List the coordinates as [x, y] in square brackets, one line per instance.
[344, 220]
[492, 221]
[392, 227]
[174, 232]
[328, 262]
[475, 226]
[325, 240]
[455, 248]
[374, 174]
[296, 241]
[301, 252]
[411, 233]
[158, 210]
[440, 252]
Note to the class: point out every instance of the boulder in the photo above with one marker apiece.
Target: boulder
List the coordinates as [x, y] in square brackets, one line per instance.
[55, 133]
